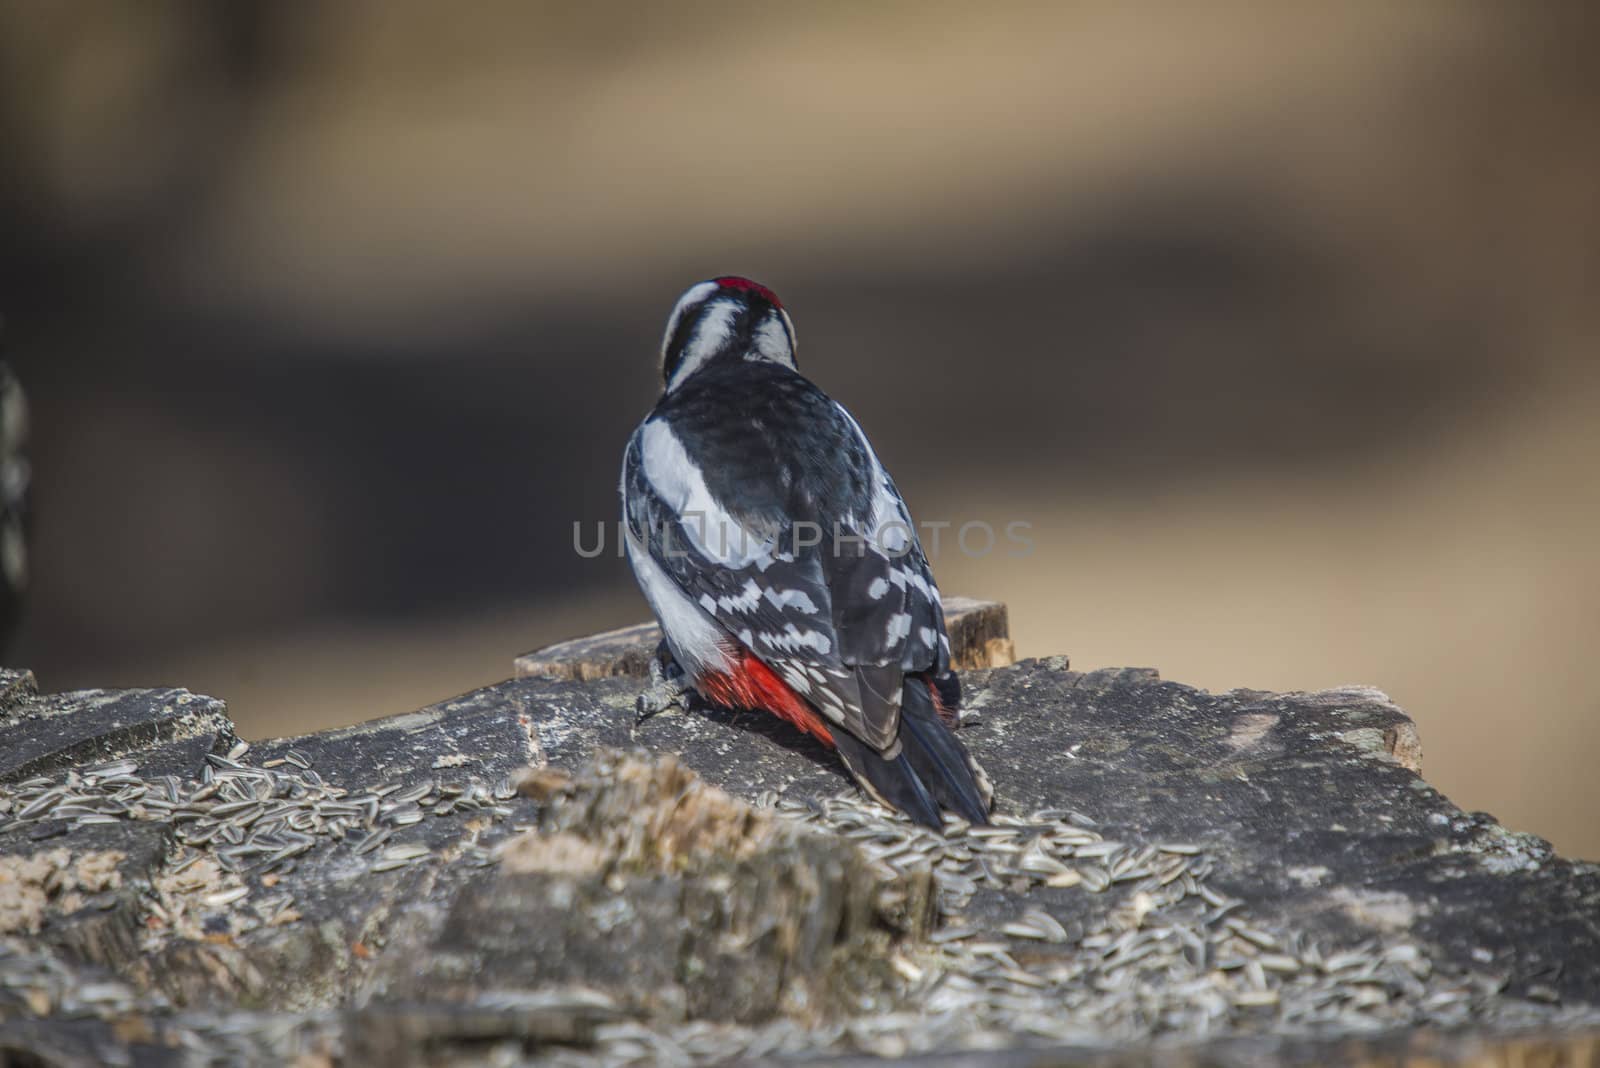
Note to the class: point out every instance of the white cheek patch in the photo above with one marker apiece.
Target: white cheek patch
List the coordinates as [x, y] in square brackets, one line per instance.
[711, 333]
[695, 295]
[772, 342]
[711, 531]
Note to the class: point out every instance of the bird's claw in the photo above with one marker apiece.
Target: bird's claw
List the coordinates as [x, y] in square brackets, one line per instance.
[668, 688]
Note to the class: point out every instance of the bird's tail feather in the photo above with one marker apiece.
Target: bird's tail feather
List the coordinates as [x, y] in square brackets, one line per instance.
[931, 768]
[892, 781]
[938, 756]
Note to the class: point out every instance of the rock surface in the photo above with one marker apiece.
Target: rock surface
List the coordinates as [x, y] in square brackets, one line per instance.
[1239, 877]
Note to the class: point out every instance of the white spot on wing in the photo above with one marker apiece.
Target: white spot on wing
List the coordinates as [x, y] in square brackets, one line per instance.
[878, 587]
[916, 579]
[791, 599]
[744, 601]
[792, 639]
[899, 626]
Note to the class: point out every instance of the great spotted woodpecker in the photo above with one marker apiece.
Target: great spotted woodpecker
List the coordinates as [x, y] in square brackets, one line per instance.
[781, 561]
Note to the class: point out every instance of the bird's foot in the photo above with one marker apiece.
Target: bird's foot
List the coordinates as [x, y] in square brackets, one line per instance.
[669, 688]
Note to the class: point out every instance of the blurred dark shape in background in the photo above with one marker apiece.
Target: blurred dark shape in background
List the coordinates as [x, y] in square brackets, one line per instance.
[1277, 324]
[15, 477]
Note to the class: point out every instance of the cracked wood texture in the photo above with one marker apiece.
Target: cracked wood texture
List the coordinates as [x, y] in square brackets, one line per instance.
[525, 873]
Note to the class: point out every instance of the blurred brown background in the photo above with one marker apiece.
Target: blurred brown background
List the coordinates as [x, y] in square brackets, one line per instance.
[1277, 322]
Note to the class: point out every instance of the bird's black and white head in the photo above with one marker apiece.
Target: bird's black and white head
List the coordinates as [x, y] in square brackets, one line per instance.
[725, 319]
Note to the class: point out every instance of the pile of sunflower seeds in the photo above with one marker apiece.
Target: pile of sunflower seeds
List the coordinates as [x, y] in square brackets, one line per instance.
[1170, 957]
[1162, 955]
[238, 827]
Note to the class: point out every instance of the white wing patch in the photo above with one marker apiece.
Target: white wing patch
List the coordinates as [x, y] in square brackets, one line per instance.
[714, 533]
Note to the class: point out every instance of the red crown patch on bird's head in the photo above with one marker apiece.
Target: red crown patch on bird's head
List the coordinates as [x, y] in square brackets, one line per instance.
[745, 285]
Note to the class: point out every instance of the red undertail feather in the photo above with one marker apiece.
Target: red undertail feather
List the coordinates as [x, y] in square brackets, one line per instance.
[947, 714]
[752, 685]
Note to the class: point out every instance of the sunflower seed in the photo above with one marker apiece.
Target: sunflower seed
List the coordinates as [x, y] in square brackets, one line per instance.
[405, 852]
[373, 840]
[1053, 931]
[115, 767]
[412, 793]
[42, 803]
[225, 897]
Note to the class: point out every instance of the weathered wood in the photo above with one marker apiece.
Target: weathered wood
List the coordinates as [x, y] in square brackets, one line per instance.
[45, 734]
[1265, 879]
[980, 637]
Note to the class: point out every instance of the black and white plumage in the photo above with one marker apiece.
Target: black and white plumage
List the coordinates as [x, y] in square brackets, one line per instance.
[781, 560]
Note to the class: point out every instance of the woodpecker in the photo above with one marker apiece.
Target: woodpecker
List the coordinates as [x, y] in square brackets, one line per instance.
[782, 563]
